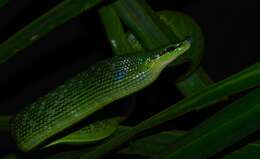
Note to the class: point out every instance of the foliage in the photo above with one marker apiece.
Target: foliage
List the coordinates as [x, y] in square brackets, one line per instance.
[148, 30]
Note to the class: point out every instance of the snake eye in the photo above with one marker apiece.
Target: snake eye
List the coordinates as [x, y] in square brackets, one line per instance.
[172, 47]
[169, 48]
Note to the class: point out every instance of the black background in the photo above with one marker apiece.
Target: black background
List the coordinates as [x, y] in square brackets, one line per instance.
[231, 31]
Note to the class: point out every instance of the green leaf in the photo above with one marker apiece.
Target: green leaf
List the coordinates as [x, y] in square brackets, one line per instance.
[223, 129]
[247, 78]
[140, 24]
[157, 143]
[91, 133]
[250, 151]
[43, 25]
[146, 146]
[76, 154]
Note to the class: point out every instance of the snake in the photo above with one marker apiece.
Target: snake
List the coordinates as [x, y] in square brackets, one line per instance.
[88, 91]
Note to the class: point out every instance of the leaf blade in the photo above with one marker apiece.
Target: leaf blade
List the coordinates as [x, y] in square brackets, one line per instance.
[43, 25]
[250, 151]
[221, 130]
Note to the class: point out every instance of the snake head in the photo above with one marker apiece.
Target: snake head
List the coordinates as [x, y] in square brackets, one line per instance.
[163, 56]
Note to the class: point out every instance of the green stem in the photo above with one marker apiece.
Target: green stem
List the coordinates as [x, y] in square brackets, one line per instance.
[114, 30]
[196, 81]
[141, 24]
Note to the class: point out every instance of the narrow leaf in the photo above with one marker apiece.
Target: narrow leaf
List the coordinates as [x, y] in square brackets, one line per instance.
[140, 24]
[43, 25]
[152, 145]
[223, 129]
[76, 154]
[250, 151]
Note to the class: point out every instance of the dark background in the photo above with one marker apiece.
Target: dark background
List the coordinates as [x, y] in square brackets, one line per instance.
[231, 31]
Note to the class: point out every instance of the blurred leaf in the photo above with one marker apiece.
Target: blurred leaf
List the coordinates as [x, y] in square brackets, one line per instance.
[135, 45]
[43, 25]
[3, 3]
[196, 81]
[223, 129]
[10, 156]
[66, 155]
[152, 145]
[4, 122]
[250, 151]
[247, 78]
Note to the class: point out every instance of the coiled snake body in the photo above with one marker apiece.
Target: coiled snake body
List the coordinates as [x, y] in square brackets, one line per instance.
[88, 92]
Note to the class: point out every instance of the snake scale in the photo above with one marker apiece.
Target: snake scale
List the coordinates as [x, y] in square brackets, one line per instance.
[89, 91]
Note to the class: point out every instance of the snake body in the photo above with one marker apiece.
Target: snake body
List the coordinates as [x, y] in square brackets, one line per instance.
[89, 91]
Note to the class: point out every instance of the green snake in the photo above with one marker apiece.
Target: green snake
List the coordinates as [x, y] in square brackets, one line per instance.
[89, 91]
